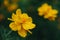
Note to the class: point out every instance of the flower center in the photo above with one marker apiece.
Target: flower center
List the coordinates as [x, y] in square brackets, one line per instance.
[23, 20]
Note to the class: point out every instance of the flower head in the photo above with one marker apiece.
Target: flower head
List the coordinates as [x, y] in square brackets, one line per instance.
[6, 2]
[21, 23]
[47, 11]
[12, 7]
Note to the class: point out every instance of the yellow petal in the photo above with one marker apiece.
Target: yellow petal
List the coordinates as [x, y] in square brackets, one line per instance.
[14, 16]
[24, 15]
[41, 11]
[18, 25]
[46, 16]
[45, 4]
[46, 7]
[22, 33]
[13, 26]
[54, 11]
[18, 12]
[29, 19]
[41, 14]
[28, 25]
[51, 18]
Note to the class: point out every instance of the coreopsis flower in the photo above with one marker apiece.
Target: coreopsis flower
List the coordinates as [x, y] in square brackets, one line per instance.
[6, 3]
[52, 14]
[12, 7]
[47, 11]
[21, 23]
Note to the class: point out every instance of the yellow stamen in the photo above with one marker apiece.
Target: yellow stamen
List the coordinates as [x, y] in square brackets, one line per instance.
[29, 31]
[9, 19]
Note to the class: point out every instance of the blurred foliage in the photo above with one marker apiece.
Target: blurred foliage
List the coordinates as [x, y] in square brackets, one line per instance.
[45, 29]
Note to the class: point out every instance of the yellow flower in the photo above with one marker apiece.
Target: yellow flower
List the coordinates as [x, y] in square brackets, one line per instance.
[12, 7]
[6, 2]
[21, 23]
[52, 14]
[44, 9]
[47, 11]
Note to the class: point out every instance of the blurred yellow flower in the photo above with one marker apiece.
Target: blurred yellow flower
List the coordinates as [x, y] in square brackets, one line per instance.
[52, 14]
[6, 2]
[21, 23]
[47, 11]
[12, 7]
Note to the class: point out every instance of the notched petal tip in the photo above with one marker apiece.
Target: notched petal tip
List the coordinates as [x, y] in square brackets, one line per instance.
[13, 27]
[18, 11]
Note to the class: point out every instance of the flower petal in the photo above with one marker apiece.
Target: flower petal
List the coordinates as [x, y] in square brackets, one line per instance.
[13, 17]
[24, 15]
[28, 25]
[18, 25]
[54, 11]
[29, 19]
[13, 26]
[18, 12]
[22, 33]
[16, 18]
[26, 18]
[51, 18]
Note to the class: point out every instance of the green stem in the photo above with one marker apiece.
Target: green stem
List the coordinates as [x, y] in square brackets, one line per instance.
[8, 33]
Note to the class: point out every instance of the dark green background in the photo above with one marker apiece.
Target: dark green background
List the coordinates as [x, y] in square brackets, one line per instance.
[45, 29]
